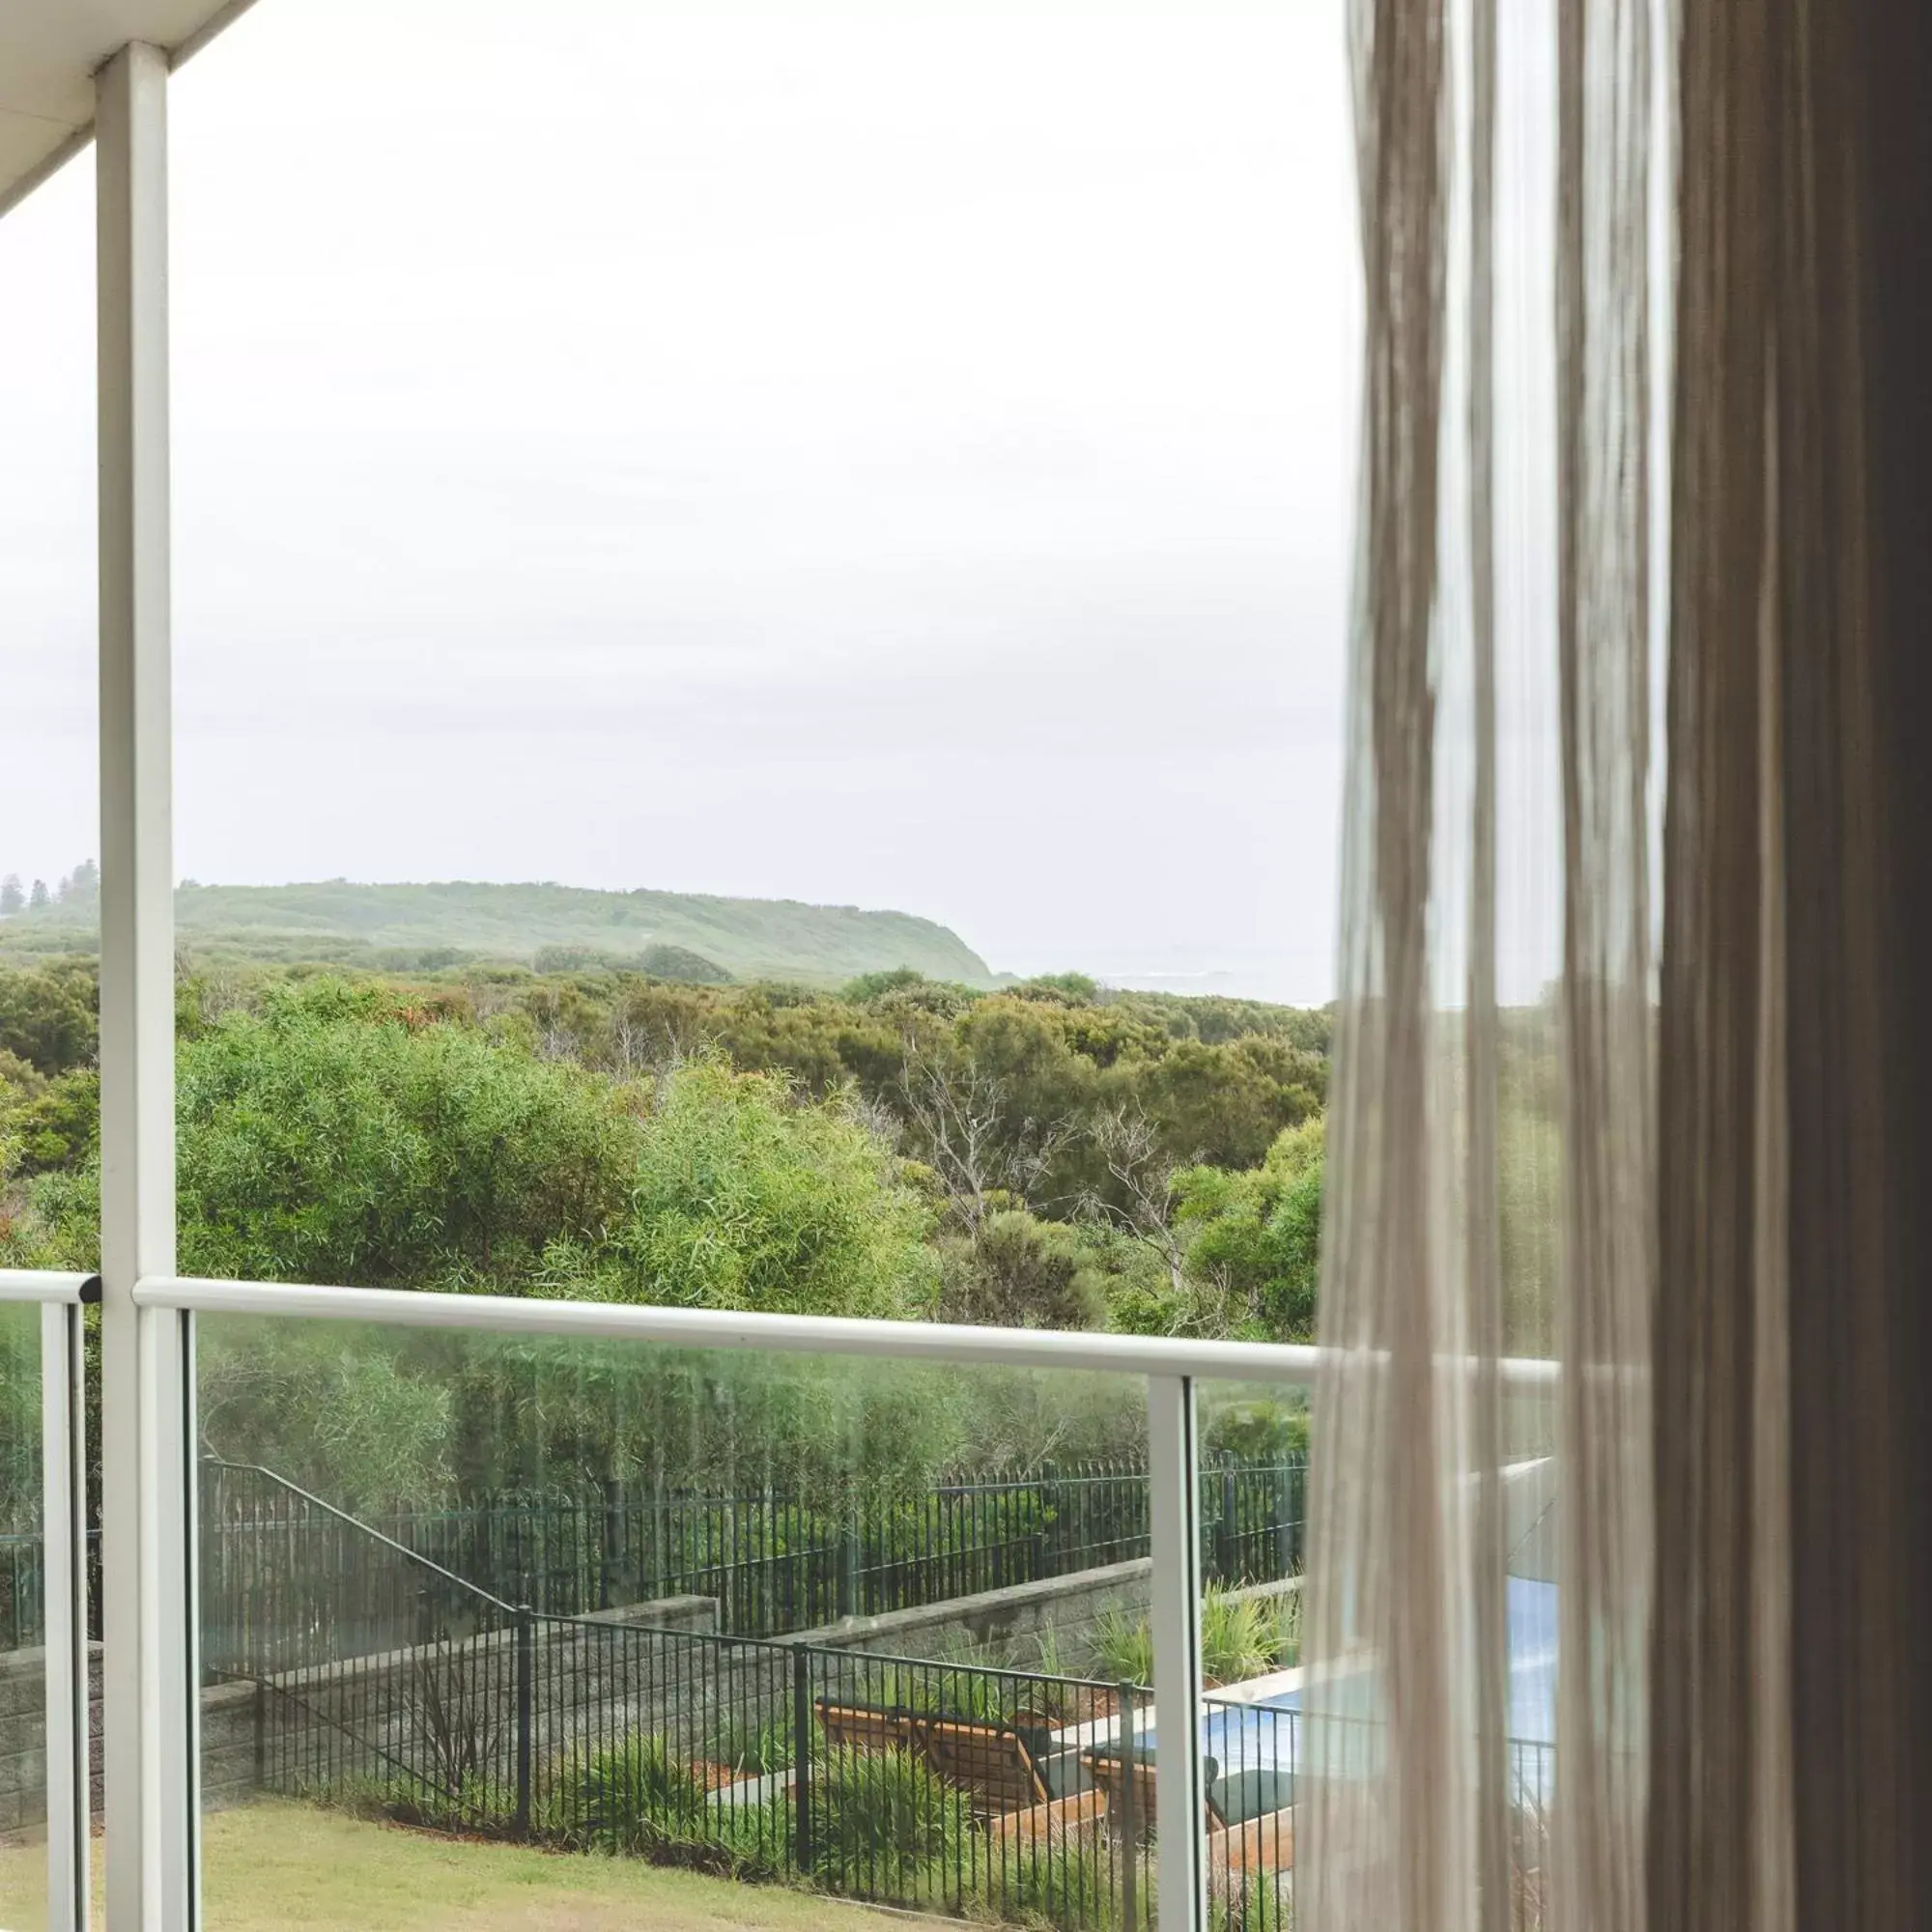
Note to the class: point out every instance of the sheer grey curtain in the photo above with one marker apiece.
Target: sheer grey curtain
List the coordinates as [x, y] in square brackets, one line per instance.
[1495, 1096]
[1633, 1041]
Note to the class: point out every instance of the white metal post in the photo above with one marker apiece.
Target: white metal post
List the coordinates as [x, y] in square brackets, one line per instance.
[1173, 1499]
[149, 1771]
[64, 1544]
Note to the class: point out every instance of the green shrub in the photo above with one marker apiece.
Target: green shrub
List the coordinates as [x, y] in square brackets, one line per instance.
[1262, 1429]
[1257, 1232]
[1253, 1902]
[752, 1749]
[637, 1796]
[1063, 1883]
[641, 1799]
[347, 1134]
[755, 1840]
[967, 1695]
[1016, 1270]
[881, 1822]
[1238, 1637]
[747, 1195]
[1288, 1629]
[480, 1807]
[1124, 1647]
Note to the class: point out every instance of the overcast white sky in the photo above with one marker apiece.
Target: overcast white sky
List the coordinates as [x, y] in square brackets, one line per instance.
[892, 458]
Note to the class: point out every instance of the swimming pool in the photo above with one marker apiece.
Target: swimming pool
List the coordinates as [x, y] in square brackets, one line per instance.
[1265, 1734]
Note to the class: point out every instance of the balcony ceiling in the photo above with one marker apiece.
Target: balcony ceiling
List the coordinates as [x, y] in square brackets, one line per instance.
[49, 52]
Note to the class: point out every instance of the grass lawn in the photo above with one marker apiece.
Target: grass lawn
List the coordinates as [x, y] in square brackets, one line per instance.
[291, 1868]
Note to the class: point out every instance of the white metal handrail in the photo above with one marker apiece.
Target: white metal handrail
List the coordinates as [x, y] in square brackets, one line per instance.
[48, 1288]
[953, 1343]
[1138, 1355]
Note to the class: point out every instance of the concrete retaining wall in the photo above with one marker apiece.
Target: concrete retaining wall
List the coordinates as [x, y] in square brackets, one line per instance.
[1068, 1605]
[23, 1737]
[227, 1743]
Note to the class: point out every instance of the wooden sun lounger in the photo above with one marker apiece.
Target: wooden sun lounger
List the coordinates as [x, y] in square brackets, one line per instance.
[863, 1727]
[990, 1761]
[1265, 1843]
[1059, 1821]
[1110, 1774]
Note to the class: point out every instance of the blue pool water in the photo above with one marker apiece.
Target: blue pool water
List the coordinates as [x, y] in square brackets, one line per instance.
[1266, 1735]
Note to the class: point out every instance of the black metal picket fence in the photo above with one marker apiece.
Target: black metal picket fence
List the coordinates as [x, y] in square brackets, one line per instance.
[940, 1786]
[774, 1565]
[936, 1785]
[289, 1582]
[886, 1779]
[23, 1587]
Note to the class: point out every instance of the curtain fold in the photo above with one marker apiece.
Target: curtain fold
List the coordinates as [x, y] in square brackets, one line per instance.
[1386, 1835]
[1606, 141]
[1720, 1799]
[1492, 1117]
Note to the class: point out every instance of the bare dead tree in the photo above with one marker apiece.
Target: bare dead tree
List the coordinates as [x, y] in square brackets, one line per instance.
[663, 1060]
[958, 1112]
[882, 1122]
[487, 998]
[629, 1047]
[1146, 1177]
[652, 1048]
[556, 1039]
[960, 1115]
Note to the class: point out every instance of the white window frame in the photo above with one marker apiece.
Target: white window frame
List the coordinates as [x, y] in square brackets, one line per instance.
[61, 1298]
[148, 1311]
